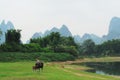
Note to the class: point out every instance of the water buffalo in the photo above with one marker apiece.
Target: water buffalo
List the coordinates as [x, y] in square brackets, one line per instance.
[38, 66]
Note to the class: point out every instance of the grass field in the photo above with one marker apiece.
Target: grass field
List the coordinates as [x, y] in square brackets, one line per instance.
[52, 71]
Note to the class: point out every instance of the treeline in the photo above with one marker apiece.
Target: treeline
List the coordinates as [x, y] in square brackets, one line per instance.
[56, 43]
[56, 47]
[108, 48]
[65, 47]
[50, 43]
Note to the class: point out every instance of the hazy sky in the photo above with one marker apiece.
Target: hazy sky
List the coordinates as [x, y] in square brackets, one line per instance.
[81, 16]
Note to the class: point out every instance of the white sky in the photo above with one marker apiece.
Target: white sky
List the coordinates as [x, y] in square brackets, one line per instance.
[81, 16]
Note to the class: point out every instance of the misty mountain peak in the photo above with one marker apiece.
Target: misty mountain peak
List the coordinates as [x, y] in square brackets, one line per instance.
[114, 24]
[77, 38]
[64, 31]
[2, 23]
[86, 36]
[64, 27]
[114, 29]
[54, 29]
[37, 35]
[10, 25]
[115, 18]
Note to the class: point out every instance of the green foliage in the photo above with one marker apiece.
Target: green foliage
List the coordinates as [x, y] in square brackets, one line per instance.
[68, 41]
[0, 32]
[41, 41]
[10, 48]
[32, 47]
[53, 46]
[109, 48]
[55, 43]
[68, 49]
[54, 40]
[56, 57]
[87, 47]
[12, 42]
[13, 36]
[18, 56]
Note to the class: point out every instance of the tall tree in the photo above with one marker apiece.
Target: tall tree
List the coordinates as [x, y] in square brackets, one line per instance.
[54, 40]
[88, 47]
[13, 36]
[0, 33]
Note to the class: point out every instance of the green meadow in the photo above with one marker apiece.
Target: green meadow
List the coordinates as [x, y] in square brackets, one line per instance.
[52, 71]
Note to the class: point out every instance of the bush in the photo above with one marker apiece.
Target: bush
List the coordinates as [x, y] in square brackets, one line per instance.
[30, 48]
[18, 56]
[68, 49]
[56, 57]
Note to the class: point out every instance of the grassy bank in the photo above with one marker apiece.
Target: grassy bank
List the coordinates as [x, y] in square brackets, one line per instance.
[101, 59]
[52, 71]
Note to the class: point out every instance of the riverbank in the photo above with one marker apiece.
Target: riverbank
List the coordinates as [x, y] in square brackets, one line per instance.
[53, 70]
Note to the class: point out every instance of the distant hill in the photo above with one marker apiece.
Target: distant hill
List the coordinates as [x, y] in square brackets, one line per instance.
[64, 31]
[77, 38]
[95, 38]
[37, 35]
[4, 27]
[114, 29]
[113, 33]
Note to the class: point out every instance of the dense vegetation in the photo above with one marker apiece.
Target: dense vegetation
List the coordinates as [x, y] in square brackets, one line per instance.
[54, 46]
[56, 43]
[18, 56]
[108, 48]
[0, 34]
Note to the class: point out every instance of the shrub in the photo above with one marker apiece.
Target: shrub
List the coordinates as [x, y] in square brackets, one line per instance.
[68, 49]
[18, 56]
[56, 57]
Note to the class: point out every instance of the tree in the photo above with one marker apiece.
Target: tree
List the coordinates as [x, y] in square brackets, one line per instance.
[110, 47]
[54, 40]
[13, 41]
[0, 33]
[13, 36]
[67, 41]
[88, 47]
